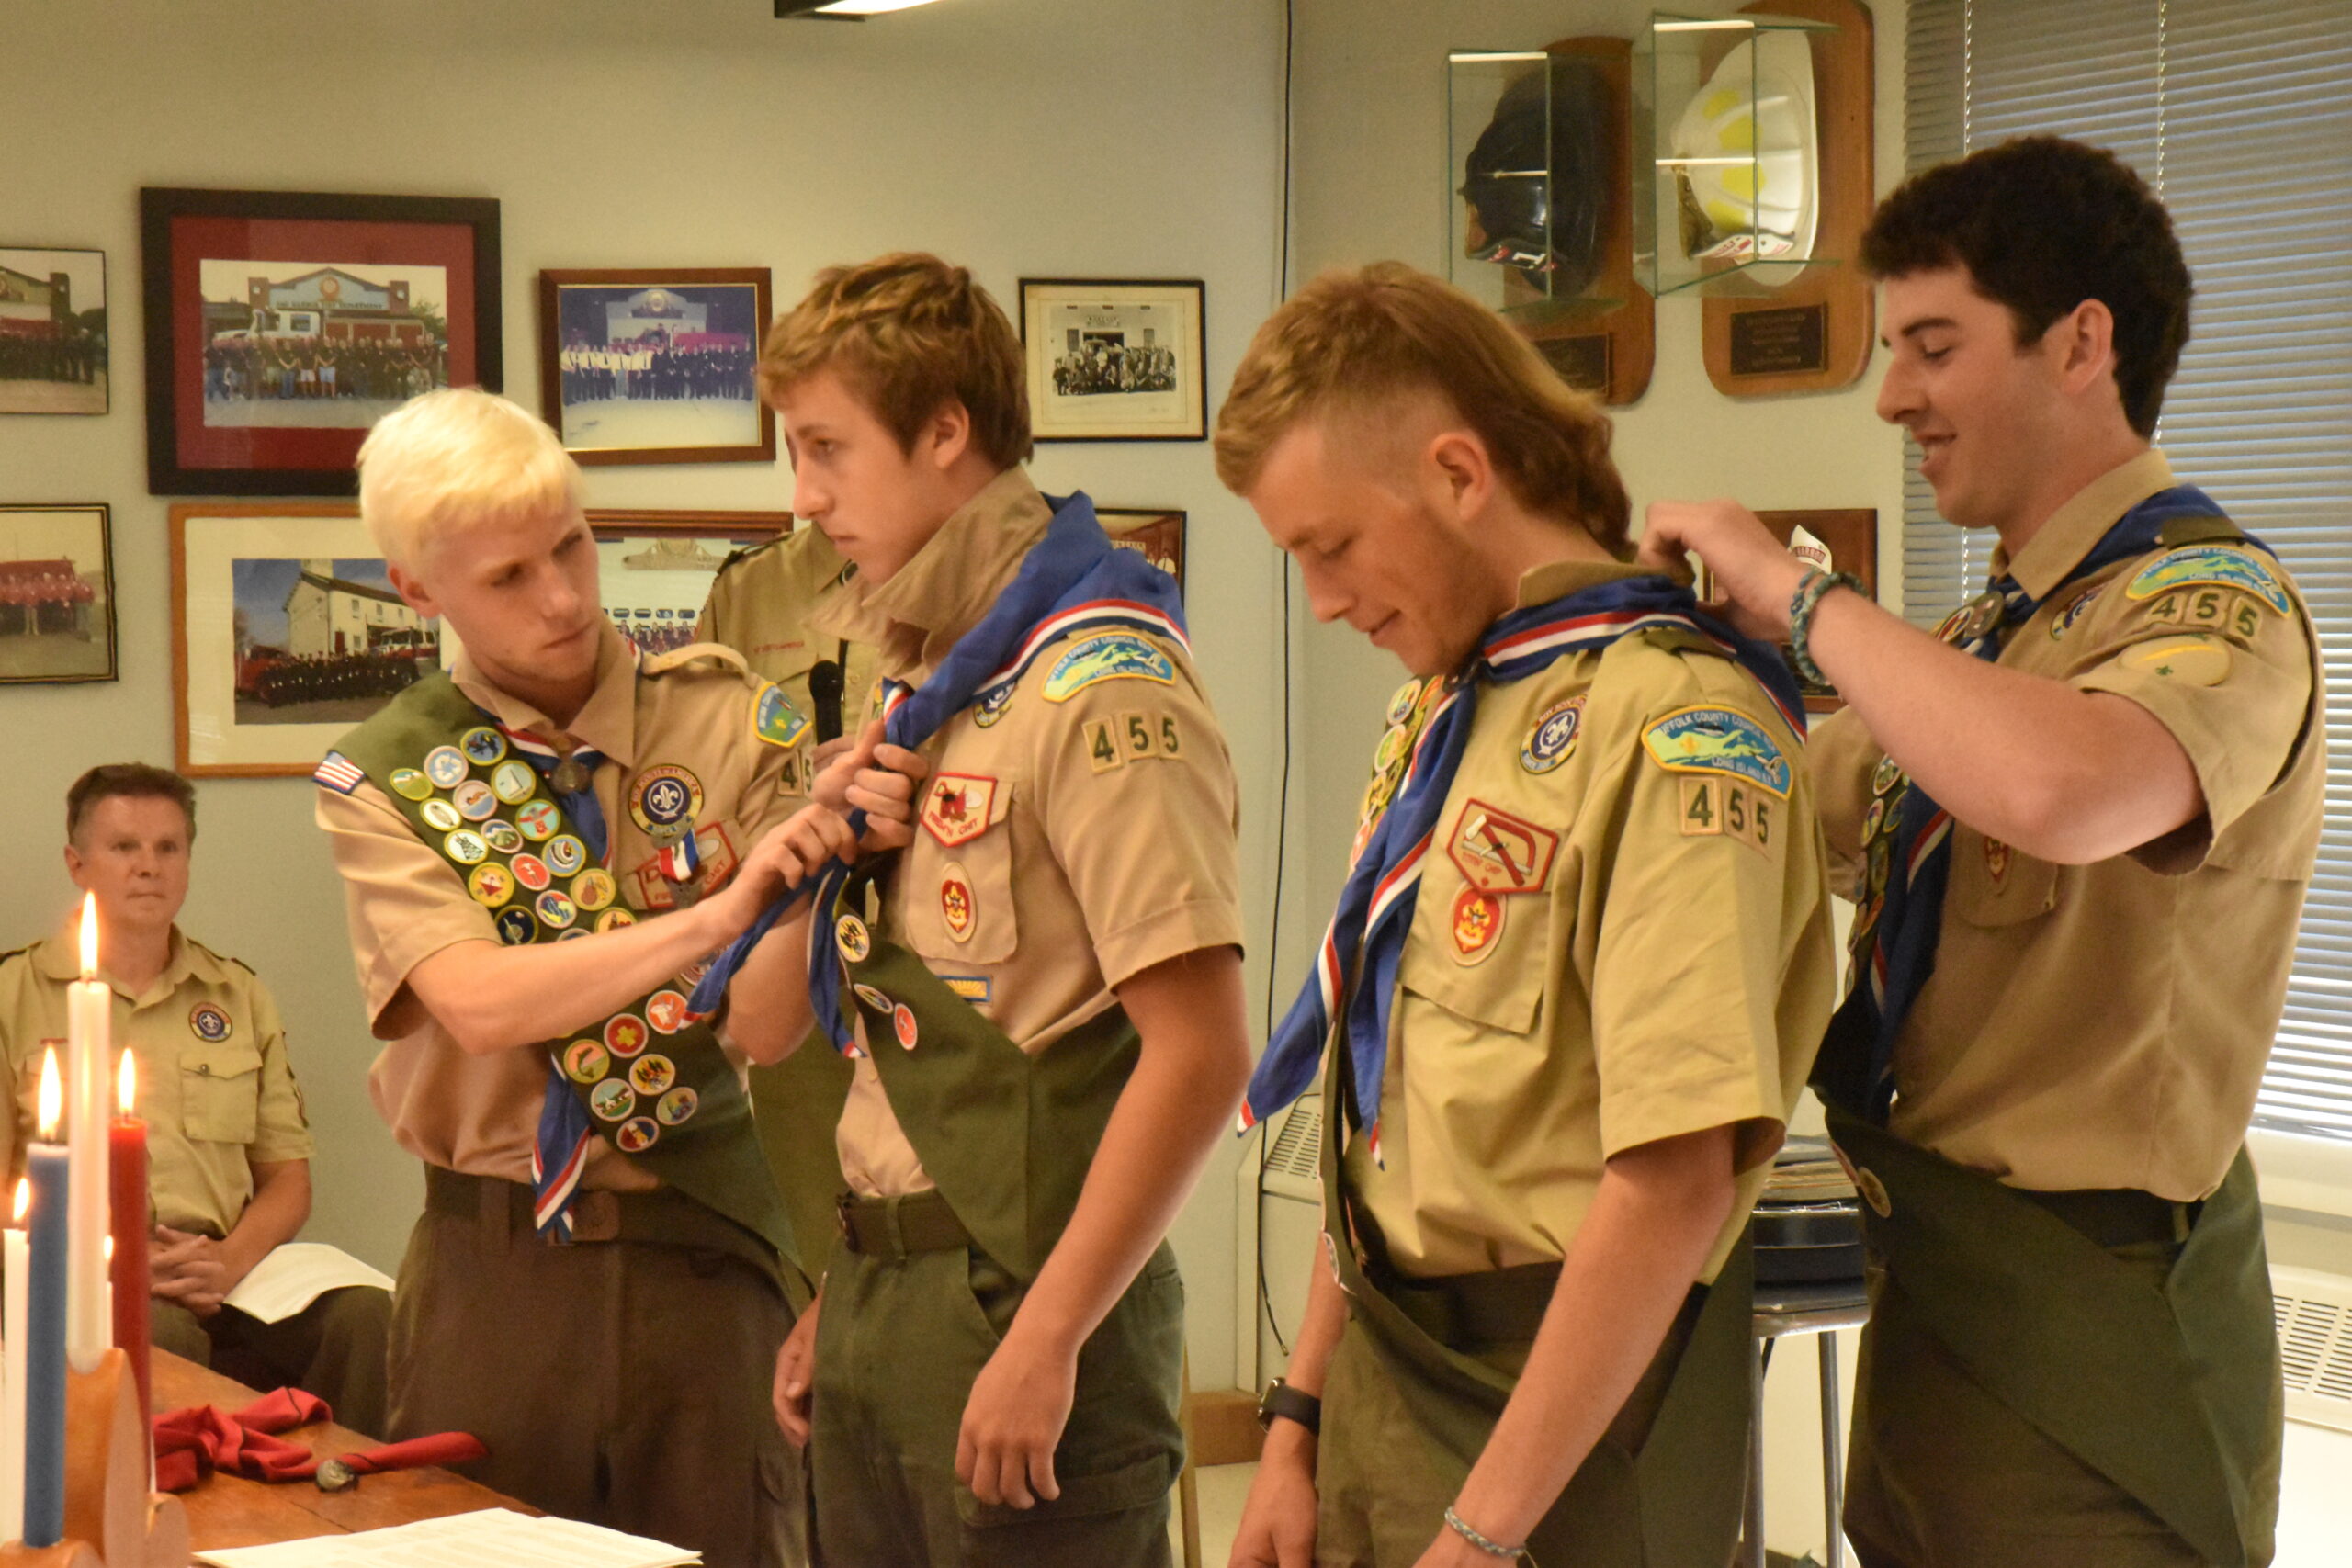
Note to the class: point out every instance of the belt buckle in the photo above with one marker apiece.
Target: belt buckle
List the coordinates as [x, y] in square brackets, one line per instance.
[849, 1231]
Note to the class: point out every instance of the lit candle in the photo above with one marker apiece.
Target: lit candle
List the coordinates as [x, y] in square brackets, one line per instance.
[46, 1169]
[127, 1273]
[19, 1263]
[89, 1018]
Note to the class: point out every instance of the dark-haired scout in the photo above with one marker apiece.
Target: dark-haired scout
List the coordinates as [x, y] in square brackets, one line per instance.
[2078, 824]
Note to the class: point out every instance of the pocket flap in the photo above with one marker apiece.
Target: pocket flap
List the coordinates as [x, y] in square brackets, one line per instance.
[1135, 1485]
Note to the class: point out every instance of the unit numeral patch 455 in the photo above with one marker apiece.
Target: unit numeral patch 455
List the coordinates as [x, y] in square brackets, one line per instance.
[1131, 738]
[1718, 807]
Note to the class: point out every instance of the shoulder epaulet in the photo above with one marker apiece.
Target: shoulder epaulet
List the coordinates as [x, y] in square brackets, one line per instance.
[745, 552]
[2209, 528]
[219, 957]
[695, 653]
[15, 952]
[1682, 640]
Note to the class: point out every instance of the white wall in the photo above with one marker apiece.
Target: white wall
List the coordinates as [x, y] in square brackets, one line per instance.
[1053, 138]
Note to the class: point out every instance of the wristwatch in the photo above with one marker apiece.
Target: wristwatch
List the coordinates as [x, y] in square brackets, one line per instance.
[1281, 1401]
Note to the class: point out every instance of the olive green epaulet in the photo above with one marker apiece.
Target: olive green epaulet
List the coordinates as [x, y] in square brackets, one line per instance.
[745, 552]
[695, 653]
[1682, 640]
[2210, 529]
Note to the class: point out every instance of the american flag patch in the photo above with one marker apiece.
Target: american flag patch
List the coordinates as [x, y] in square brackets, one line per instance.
[339, 773]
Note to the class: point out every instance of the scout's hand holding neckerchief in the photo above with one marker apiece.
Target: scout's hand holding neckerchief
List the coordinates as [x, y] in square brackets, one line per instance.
[872, 776]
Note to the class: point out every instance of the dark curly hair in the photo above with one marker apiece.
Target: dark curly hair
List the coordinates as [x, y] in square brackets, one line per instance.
[2043, 224]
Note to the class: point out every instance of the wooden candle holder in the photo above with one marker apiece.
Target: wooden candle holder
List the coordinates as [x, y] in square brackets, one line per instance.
[112, 1520]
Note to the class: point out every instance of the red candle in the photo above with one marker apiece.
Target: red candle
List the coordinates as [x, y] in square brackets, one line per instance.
[126, 1164]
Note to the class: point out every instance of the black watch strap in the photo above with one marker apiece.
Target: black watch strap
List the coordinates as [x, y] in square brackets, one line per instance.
[1283, 1402]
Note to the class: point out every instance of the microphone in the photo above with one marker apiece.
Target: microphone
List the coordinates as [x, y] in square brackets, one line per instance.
[825, 682]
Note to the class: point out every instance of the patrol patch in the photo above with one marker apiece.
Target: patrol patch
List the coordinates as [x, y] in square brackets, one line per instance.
[209, 1023]
[612, 1100]
[585, 1061]
[955, 808]
[474, 801]
[514, 781]
[1111, 656]
[1477, 923]
[538, 820]
[2063, 622]
[678, 1105]
[775, 720]
[490, 885]
[956, 905]
[515, 925]
[852, 937]
[902, 1024]
[482, 744]
[445, 766]
[1553, 738]
[664, 797]
[2217, 566]
[977, 990]
[636, 1135]
[1497, 852]
[666, 1011]
[2191, 660]
[531, 872]
[625, 1034]
[1717, 741]
[594, 889]
[990, 705]
[411, 785]
[440, 816]
[653, 1075]
[338, 773]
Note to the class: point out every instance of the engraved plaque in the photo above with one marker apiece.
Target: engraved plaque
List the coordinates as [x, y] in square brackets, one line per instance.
[1780, 341]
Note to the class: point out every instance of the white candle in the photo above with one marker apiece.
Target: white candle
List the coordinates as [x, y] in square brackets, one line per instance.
[17, 1258]
[90, 1326]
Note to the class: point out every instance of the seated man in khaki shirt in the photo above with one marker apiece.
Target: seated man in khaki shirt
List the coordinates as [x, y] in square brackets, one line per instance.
[229, 1148]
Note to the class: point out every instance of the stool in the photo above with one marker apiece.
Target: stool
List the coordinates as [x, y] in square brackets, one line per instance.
[1783, 1312]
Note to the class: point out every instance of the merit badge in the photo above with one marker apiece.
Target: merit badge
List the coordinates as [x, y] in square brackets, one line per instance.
[851, 936]
[466, 847]
[1997, 858]
[490, 885]
[666, 1011]
[410, 783]
[955, 809]
[625, 1034]
[445, 766]
[594, 890]
[556, 911]
[482, 744]
[2216, 566]
[1873, 1191]
[990, 705]
[1885, 777]
[775, 720]
[1497, 852]
[1477, 921]
[614, 920]
[1393, 744]
[612, 1100]
[637, 1136]
[956, 905]
[538, 820]
[531, 872]
[209, 1023]
[1112, 656]
[1554, 737]
[1407, 698]
[678, 1105]
[2063, 622]
[664, 797]
[1882, 861]
[902, 1023]
[574, 934]
[565, 854]
[514, 781]
[502, 835]
[440, 816]
[585, 1061]
[1717, 741]
[515, 925]
[879, 1001]
[1873, 819]
[653, 1075]
[474, 802]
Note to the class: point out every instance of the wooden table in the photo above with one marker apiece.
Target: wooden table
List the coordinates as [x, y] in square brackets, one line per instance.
[229, 1510]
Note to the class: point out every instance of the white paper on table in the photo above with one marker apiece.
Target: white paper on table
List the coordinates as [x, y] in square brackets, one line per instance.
[295, 1275]
[492, 1538]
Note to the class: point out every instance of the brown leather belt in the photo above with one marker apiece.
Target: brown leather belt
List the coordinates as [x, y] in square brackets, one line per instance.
[665, 1217]
[2120, 1216]
[900, 1227]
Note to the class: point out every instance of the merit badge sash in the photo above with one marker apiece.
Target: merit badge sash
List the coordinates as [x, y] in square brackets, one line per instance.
[652, 1078]
[1355, 970]
[1073, 584]
[1907, 836]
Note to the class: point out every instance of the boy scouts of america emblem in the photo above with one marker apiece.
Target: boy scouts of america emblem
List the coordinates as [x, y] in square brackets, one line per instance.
[956, 809]
[956, 903]
[1477, 921]
[663, 797]
[209, 1023]
[1554, 737]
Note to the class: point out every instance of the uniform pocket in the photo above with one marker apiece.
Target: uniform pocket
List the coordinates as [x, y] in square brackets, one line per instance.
[959, 895]
[1482, 958]
[220, 1092]
[1136, 1485]
[1994, 885]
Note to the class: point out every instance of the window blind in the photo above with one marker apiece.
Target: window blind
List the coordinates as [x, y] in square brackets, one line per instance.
[2236, 111]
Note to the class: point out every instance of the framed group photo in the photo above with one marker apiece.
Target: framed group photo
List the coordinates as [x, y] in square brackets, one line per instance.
[52, 331]
[282, 324]
[655, 567]
[656, 366]
[1159, 534]
[56, 595]
[1115, 360]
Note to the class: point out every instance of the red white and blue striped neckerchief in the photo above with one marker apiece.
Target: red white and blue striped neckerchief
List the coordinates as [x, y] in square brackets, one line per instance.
[1355, 970]
[1073, 580]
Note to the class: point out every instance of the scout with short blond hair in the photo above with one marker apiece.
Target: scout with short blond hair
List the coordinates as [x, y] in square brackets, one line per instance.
[1574, 982]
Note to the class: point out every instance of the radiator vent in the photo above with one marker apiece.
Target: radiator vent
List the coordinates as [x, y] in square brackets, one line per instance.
[2314, 1318]
[1293, 1168]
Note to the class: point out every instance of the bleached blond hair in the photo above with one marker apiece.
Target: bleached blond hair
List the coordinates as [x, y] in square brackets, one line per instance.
[454, 459]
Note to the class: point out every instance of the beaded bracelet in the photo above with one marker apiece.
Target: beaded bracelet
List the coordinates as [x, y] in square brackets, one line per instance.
[1454, 1522]
[1810, 592]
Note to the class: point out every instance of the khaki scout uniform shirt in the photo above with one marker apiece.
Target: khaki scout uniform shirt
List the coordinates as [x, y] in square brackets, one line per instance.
[760, 603]
[1660, 964]
[1070, 843]
[477, 1114]
[2105, 1025]
[215, 1088]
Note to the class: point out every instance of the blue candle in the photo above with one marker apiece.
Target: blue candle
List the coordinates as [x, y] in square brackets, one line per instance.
[46, 1168]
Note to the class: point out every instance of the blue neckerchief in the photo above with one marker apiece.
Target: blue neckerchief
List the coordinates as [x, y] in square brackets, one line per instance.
[1376, 904]
[1073, 580]
[1895, 954]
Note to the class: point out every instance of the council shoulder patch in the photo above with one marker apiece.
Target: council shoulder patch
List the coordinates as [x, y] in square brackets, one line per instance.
[1111, 656]
[775, 720]
[1717, 741]
[2218, 565]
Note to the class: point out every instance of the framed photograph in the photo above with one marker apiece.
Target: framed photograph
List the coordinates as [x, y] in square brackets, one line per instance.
[1836, 539]
[655, 366]
[52, 331]
[1115, 361]
[655, 566]
[281, 324]
[56, 595]
[1158, 534]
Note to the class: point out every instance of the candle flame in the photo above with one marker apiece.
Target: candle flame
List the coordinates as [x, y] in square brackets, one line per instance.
[89, 935]
[110, 1251]
[127, 1085]
[53, 1094]
[24, 1202]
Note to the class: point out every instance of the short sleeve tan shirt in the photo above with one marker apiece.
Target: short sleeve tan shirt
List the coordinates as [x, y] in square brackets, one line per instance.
[2106, 1025]
[760, 605]
[1651, 954]
[1070, 842]
[691, 709]
[215, 1087]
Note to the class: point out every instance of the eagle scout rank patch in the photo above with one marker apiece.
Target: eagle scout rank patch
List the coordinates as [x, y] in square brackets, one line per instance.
[775, 720]
[2191, 660]
[209, 1023]
[955, 809]
[1553, 738]
[1112, 656]
[958, 906]
[1477, 921]
[1723, 741]
[2213, 566]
